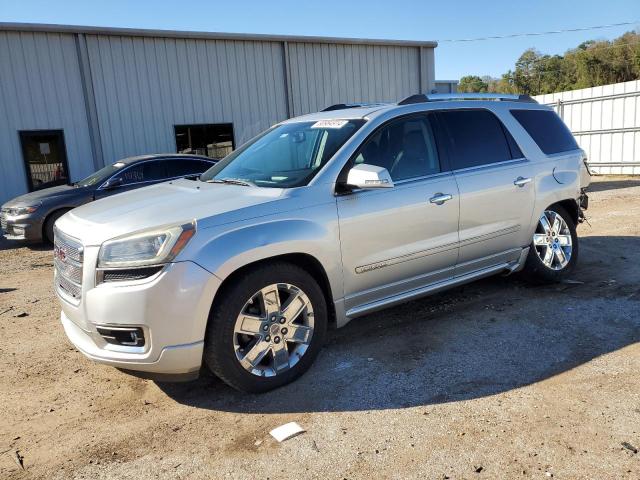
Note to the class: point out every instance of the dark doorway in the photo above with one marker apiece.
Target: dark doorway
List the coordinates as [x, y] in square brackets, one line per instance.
[45, 158]
[214, 140]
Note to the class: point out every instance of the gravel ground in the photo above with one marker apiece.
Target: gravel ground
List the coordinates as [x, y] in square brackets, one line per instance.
[496, 379]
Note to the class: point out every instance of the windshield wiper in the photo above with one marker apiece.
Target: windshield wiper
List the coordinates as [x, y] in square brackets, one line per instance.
[232, 181]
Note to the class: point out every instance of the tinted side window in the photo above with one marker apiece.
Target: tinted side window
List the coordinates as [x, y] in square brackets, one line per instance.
[154, 170]
[406, 148]
[476, 138]
[546, 129]
[180, 168]
[513, 146]
[143, 172]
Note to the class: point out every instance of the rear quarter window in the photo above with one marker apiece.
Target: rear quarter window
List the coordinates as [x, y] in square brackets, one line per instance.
[477, 137]
[547, 130]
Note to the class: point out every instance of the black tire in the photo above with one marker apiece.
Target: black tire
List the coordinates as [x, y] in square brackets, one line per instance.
[536, 271]
[48, 224]
[219, 352]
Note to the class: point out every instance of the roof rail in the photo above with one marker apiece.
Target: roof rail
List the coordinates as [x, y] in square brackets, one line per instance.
[342, 106]
[417, 98]
[433, 97]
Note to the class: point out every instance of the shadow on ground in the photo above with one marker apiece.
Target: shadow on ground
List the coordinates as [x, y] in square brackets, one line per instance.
[15, 244]
[613, 185]
[478, 340]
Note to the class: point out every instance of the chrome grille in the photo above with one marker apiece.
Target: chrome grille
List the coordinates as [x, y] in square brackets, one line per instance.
[3, 220]
[70, 271]
[72, 248]
[68, 256]
[67, 287]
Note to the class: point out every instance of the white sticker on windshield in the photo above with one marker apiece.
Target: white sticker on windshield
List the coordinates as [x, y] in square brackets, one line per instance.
[330, 124]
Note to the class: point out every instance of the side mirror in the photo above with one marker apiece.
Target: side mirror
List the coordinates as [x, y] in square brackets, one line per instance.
[369, 176]
[112, 183]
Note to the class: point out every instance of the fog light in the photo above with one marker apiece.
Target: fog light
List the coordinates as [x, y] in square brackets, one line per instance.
[124, 336]
[18, 231]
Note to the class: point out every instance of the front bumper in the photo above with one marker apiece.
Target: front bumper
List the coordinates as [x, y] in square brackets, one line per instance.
[172, 308]
[172, 359]
[22, 227]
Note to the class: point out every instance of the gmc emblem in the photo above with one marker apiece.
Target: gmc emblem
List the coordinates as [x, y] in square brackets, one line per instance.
[59, 254]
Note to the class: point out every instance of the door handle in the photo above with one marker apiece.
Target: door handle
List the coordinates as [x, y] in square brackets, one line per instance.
[440, 198]
[521, 181]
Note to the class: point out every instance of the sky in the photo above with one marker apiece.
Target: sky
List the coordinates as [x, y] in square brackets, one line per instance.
[389, 19]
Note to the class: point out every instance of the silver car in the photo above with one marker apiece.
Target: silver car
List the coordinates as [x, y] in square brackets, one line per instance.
[318, 220]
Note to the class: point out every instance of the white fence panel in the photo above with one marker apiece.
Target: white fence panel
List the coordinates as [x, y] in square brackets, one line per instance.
[606, 123]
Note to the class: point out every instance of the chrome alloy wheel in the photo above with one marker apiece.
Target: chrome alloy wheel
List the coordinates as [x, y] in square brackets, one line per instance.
[273, 330]
[552, 241]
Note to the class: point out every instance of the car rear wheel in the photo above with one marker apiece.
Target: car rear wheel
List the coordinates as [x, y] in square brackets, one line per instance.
[554, 248]
[267, 328]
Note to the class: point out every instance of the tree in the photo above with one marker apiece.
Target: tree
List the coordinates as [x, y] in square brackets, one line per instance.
[472, 84]
[526, 76]
[590, 64]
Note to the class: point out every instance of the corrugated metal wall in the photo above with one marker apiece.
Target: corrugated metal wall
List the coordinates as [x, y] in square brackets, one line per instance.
[145, 86]
[325, 74]
[606, 123]
[118, 94]
[40, 89]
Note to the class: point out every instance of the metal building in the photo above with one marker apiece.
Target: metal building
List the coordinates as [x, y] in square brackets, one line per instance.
[73, 99]
[446, 86]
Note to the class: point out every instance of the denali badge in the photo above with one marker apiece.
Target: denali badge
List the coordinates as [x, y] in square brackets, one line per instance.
[373, 266]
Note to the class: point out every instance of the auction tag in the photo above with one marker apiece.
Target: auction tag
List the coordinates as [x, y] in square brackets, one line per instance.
[330, 124]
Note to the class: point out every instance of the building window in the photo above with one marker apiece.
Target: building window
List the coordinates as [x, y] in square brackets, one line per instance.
[213, 140]
[45, 158]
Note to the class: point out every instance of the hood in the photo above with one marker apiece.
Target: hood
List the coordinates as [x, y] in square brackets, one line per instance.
[41, 196]
[162, 204]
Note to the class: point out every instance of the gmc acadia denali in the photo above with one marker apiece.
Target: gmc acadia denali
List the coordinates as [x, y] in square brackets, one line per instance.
[318, 220]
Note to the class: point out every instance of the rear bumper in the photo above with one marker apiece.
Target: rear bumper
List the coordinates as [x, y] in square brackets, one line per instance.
[583, 200]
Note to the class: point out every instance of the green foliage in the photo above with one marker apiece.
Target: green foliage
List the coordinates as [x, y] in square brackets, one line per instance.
[591, 64]
[472, 83]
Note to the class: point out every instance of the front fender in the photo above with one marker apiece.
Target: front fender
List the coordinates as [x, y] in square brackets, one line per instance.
[223, 250]
[64, 203]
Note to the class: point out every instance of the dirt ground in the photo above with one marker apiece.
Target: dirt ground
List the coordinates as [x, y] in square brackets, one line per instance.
[497, 379]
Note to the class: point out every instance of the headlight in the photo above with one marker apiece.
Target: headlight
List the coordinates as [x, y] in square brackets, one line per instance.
[146, 248]
[23, 210]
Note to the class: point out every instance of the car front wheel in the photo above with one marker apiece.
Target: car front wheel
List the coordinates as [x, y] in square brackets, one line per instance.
[267, 328]
[554, 248]
[49, 222]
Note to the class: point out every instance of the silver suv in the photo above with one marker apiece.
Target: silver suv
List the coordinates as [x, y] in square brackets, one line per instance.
[318, 220]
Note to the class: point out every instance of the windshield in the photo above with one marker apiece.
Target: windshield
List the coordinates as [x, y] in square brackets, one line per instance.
[101, 175]
[285, 156]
